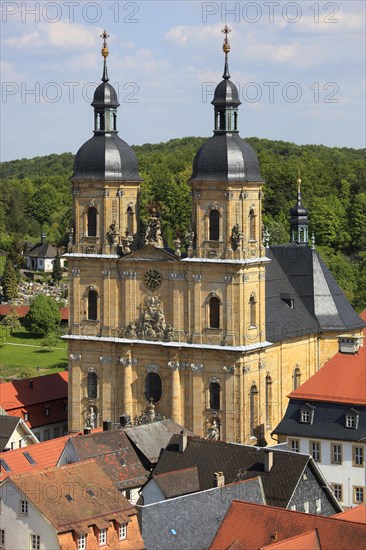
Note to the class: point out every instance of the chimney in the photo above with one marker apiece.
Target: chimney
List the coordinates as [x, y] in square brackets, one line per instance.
[182, 441]
[87, 430]
[107, 425]
[124, 420]
[219, 479]
[43, 238]
[31, 384]
[268, 460]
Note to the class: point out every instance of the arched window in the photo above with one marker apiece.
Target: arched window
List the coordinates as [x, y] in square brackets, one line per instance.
[153, 387]
[268, 400]
[252, 312]
[214, 225]
[253, 409]
[296, 378]
[92, 385]
[92, 221]
[252, 226]
[214, 312]
[214, 389]
[92, 305]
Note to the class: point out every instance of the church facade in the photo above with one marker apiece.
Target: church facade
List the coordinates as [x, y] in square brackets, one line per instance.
[213, 338]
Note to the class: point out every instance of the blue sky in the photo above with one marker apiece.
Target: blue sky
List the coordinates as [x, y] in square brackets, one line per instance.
[299, 67]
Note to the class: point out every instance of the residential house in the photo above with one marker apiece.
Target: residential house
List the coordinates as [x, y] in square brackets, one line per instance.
[248, 526]
[14, 433]
[41, 402]
[290, 480]
[191, 521]
[40, 257]
[42, 455]
[75, 506]
[114, 453]
[326, 417]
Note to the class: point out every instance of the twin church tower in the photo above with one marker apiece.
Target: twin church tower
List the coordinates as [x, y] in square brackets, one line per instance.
[213, 338]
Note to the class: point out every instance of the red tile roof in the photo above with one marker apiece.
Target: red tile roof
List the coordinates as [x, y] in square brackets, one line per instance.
[80, 493]
[30, 391]
[44, 454]
[341, 380]
[357, 514]
[306, 541]
[5, 309]
[256, 526]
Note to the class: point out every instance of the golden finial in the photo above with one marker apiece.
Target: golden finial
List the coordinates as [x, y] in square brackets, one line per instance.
[226, 47]
[105, 50]
[299, 180]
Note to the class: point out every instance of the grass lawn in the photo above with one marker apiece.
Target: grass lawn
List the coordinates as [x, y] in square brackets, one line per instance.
[28, 359]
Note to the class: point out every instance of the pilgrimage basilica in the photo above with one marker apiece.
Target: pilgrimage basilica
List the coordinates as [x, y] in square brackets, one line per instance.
[214, 337]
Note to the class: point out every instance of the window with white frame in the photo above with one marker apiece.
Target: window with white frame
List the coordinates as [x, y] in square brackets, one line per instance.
[82, 542]
[26, 416]
[358, 495]
[315, 450]
[336, 453]
[103, 536]
[305, 416]
[23, 507]
[350, 421]
[337, 489]
[318, 505]
[294, 445]
[357, 456]
[35, 542]
[122, 531]
[306, 507]
[293, 507]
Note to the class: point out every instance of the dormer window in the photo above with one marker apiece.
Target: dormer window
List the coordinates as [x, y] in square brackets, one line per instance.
[307, 414]
[288, 300]
[352, 419]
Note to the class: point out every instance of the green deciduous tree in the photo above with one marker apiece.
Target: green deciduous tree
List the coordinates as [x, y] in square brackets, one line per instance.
[43, 316]
[9, 281]
[11, 320]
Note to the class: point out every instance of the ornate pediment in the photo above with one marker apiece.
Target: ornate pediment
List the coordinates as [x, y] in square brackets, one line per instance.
[150, 252]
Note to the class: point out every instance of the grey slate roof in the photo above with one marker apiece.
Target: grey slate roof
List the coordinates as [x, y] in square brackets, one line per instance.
[42, 250]
[106, 157]
[7, 426]
[150, 439]
[328, 422]
[298, 272]
[191, 521]
[237, 462]
[174, 484]
[226, 158]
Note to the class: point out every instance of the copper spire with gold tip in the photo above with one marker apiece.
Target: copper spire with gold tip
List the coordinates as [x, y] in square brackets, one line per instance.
[226, 47]
[105, 52]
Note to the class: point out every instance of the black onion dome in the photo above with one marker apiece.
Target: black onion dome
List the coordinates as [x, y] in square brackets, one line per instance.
[299, 213]
[226, 157]
[226, 93]
[106, 157]
[105, 96]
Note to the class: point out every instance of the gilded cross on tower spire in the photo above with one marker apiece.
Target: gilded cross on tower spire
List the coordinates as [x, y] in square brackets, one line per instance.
[226, 47]
[299, 180]
[105, 52]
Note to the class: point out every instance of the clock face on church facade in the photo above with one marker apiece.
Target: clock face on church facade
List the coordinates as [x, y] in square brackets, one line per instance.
[152, 279]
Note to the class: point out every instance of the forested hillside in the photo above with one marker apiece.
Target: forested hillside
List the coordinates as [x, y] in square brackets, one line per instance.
[36, 197]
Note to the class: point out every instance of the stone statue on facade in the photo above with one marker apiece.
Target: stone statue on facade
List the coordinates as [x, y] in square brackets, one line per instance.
[91, 417]
[153, 231]
[213, 431]
[236, 236]
[151, 324]
[112, 234]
